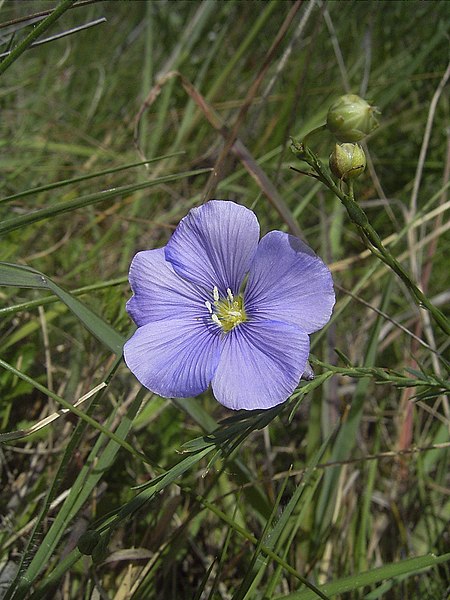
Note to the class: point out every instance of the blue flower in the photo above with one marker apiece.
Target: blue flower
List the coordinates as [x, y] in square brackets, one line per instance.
[217, 306]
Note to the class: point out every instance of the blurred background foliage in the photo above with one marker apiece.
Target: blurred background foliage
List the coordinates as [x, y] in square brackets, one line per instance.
[69, 109]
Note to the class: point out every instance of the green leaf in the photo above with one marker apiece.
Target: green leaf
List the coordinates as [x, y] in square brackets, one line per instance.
[410, 566]
[87, 479]
[64, 182]
[35, 33]
[73, 409]
[21, 276]
[70, 205]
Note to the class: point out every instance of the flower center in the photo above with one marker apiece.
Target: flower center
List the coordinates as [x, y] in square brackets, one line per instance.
[226, 312]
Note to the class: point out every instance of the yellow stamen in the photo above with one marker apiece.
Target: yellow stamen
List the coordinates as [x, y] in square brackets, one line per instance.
[228, 312]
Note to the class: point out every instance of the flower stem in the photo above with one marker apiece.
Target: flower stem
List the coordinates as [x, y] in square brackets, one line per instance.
[368, 234]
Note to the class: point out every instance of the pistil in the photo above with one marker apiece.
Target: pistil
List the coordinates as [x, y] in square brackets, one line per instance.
[226, 312]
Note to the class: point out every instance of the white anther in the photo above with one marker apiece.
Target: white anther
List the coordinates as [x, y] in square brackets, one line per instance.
[215, 318]
[216, 294]
[208, 306]
[230, 295]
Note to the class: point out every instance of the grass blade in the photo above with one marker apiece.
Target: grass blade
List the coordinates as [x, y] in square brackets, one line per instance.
[71, 205]
[410, 566]
[21, 276]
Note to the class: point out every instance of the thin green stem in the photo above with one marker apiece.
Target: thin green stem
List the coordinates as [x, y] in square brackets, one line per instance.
[35, 33]
[44, 301]
[79, 413]
[382, 375]
[368, 234]
[351, 192]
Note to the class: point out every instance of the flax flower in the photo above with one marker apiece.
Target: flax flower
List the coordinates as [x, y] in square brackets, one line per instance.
[217, 306]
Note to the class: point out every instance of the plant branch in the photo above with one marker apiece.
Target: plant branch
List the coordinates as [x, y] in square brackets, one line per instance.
[368, 234]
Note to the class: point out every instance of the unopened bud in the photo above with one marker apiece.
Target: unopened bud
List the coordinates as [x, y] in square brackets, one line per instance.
[88, 541]
[347, 161]
[351, 118]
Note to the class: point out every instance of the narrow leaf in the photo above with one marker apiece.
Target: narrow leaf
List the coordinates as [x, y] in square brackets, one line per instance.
[70, 205]
[410, 566]
[21, 276]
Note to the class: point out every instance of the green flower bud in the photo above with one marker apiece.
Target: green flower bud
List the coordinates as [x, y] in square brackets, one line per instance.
[351, 118]
[347, 161]
[88, 541]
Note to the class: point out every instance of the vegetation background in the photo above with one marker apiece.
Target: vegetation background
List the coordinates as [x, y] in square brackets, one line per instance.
[342, 492]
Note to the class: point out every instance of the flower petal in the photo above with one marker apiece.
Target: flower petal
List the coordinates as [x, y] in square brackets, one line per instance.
[288, 282]
[159, 293]
[214, 245]
[260, 365]
[176, 358]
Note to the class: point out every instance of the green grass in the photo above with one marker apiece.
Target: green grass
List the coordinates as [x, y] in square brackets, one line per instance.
[340, 493]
